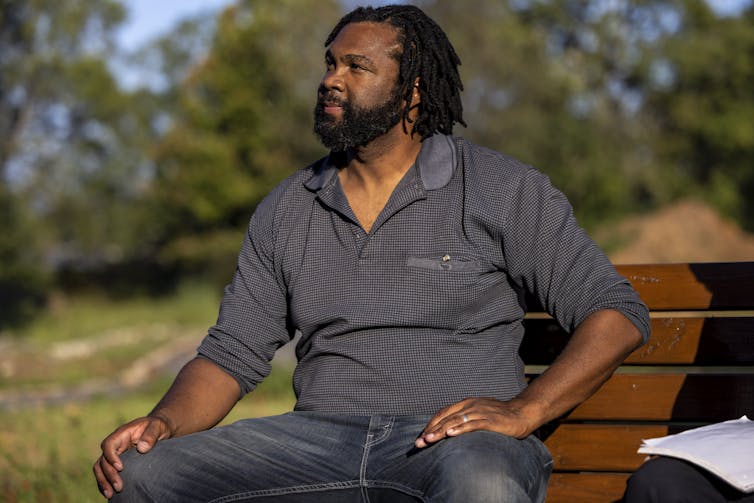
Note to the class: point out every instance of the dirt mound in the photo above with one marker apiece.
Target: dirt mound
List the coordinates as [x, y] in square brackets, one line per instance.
[687, 231]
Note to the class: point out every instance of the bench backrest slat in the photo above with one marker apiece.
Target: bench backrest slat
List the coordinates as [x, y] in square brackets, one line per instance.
[669, 397]
[679, 340]
[693, 286]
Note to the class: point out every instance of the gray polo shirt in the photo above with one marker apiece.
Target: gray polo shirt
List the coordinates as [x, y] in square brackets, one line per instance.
[427, 308]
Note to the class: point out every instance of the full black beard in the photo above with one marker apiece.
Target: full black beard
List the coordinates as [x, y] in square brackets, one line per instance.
[358, 126]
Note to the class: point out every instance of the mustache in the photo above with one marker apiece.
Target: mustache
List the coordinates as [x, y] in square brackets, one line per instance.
[329, 98]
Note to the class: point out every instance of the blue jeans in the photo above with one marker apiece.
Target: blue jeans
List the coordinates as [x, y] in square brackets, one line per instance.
[334, 458]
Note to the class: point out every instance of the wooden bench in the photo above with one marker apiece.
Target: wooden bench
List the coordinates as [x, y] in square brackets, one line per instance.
[696, 369]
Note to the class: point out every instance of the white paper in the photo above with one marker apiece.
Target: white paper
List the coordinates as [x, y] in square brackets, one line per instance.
[725, 449]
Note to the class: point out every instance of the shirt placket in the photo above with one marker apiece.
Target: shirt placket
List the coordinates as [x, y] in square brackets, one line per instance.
[406, 193]
[360, 237]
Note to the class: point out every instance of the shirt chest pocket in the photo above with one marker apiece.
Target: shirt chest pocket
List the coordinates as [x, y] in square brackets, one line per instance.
[448, 263]
[452, 288]
[453, 277]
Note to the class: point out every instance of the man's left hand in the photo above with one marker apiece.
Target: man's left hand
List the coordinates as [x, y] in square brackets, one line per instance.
[474, 414]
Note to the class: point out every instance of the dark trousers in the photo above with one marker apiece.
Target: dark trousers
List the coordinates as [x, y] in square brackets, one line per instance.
[670, 480]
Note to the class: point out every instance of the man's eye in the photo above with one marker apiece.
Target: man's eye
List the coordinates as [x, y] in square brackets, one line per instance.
[354, 66]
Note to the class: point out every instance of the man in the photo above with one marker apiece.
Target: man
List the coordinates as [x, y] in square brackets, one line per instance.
[401, 258]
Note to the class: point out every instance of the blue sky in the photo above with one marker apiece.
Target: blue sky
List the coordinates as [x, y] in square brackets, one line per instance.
[148, 18]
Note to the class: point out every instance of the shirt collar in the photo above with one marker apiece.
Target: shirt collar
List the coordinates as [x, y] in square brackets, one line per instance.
[436, 163]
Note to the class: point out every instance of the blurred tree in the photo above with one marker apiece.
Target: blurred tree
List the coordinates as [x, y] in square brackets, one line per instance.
[57, 101]
[625, 105]
[38, 39]
[72, 144]
[557, 84]
[167, 61]
[245, 122]
[552, 82]
[23, 283]
[700, 99]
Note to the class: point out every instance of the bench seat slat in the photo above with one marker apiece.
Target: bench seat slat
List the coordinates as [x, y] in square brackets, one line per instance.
[592, 447]
[586, 487]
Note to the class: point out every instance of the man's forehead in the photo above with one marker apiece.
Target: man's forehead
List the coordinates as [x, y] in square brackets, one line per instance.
[367, 37]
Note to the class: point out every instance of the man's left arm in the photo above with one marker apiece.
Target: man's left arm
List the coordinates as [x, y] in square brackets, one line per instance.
[597, 347]
[550, 255]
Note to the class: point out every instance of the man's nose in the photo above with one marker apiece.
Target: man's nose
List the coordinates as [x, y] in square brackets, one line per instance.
[332, 80]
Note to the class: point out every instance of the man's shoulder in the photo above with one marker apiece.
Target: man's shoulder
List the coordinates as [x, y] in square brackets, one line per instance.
[298, 180]
[289, 190]
[491, 166]
[287, 197]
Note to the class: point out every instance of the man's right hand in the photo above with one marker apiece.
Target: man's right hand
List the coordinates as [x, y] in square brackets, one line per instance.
[201, 395]
[142, 433]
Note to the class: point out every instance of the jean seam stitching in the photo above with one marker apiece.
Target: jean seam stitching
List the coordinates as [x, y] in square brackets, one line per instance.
[396, 486]
[386, 430]
[287, 490]
[364, 458]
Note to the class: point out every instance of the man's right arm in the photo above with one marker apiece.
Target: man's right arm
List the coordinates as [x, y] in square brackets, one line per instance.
[199, 398]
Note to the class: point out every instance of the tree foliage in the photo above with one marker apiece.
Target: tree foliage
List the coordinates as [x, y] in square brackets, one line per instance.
[700, 99]
[23, 283]
[244, 123]
[625, 105]
[57, 112]
[552, 83]
[72, 143]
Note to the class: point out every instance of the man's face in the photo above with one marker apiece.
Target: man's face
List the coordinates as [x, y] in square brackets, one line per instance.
[358, 99]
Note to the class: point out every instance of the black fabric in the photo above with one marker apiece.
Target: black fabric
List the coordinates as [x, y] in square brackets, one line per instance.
[670, 480]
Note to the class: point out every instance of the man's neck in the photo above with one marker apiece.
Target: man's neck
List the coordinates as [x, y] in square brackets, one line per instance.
[372, 172]
[382, 162]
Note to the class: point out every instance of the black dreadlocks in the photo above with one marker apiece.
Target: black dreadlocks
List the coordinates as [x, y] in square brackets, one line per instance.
[428, 55]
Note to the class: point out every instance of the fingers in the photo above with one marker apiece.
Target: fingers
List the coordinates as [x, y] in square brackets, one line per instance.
[108, 465]
[107, 477]
[450, 421]
[444, 414]
[474, 414]
[142, 433]
[451, 426]
[120, 441]
[154, 431]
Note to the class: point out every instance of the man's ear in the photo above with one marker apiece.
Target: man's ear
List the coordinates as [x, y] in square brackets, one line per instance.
[413, 110]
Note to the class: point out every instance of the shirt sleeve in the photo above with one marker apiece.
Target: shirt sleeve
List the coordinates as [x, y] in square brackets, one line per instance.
[252, 323]
[551, 257]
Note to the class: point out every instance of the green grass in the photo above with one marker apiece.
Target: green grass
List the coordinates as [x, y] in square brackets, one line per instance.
[89, 336]
[92, 315]
[46, 453]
